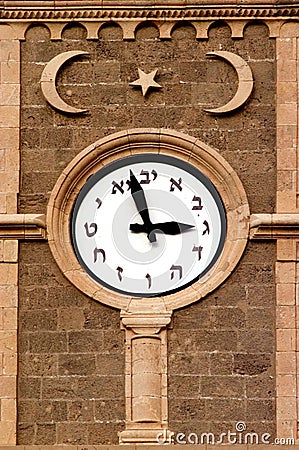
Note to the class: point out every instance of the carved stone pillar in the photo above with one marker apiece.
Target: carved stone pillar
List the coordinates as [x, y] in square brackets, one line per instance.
[146, 377]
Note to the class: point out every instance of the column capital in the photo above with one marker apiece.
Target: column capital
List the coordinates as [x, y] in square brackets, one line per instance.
[145, 324]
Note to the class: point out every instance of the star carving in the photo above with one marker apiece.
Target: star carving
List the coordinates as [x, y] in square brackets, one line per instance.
[146, 81]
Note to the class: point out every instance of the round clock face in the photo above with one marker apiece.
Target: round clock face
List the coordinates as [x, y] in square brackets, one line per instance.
[148, 225]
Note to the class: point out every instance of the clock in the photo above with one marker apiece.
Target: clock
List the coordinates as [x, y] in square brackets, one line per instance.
[148, 225]
[147, 220]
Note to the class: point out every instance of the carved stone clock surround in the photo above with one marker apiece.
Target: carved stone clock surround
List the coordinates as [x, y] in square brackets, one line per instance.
[282, 226]
[145, 319]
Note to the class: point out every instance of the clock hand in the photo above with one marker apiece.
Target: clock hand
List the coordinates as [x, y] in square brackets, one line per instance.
[164, 227]
[141, 204]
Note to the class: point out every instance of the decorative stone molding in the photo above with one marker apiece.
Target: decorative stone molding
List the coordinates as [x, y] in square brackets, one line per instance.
[274, 226]
[55, 10]
[22, 226]
[129, 24]
[163, 141]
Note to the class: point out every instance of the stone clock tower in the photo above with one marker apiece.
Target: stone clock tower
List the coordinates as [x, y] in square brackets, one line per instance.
[158, 307]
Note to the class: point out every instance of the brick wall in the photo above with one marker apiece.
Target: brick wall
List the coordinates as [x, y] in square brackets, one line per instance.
[221, 353]
[71, 364]
[71, 349]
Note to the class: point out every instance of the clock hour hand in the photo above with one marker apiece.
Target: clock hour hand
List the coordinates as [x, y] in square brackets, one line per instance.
[141, 205]
[171, 228]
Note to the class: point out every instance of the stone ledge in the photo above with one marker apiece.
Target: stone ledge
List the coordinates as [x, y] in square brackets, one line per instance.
[22, 226]
[262, 226]
[274, 226]
[177, 9]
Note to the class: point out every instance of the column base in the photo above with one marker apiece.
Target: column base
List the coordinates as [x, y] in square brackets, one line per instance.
[147, 437]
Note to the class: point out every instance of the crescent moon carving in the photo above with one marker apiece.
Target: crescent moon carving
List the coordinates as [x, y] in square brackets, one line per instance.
[48, 82]
[245, 79]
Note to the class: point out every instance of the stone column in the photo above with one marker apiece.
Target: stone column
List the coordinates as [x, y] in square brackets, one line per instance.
[9, 188]
[146, 378]
[287, 249]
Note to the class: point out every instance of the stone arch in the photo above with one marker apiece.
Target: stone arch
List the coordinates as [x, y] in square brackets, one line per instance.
[111, 26]
[42, 29]
[74, 27]
[147, 30]
[179, 26]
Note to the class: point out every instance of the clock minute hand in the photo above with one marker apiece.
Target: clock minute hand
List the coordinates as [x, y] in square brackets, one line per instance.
[171, 228]
[141, 204]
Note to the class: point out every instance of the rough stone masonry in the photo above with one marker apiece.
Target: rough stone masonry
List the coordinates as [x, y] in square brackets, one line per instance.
[221, 349]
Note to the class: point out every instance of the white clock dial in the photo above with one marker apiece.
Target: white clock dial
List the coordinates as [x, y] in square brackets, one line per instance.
[148, 225]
